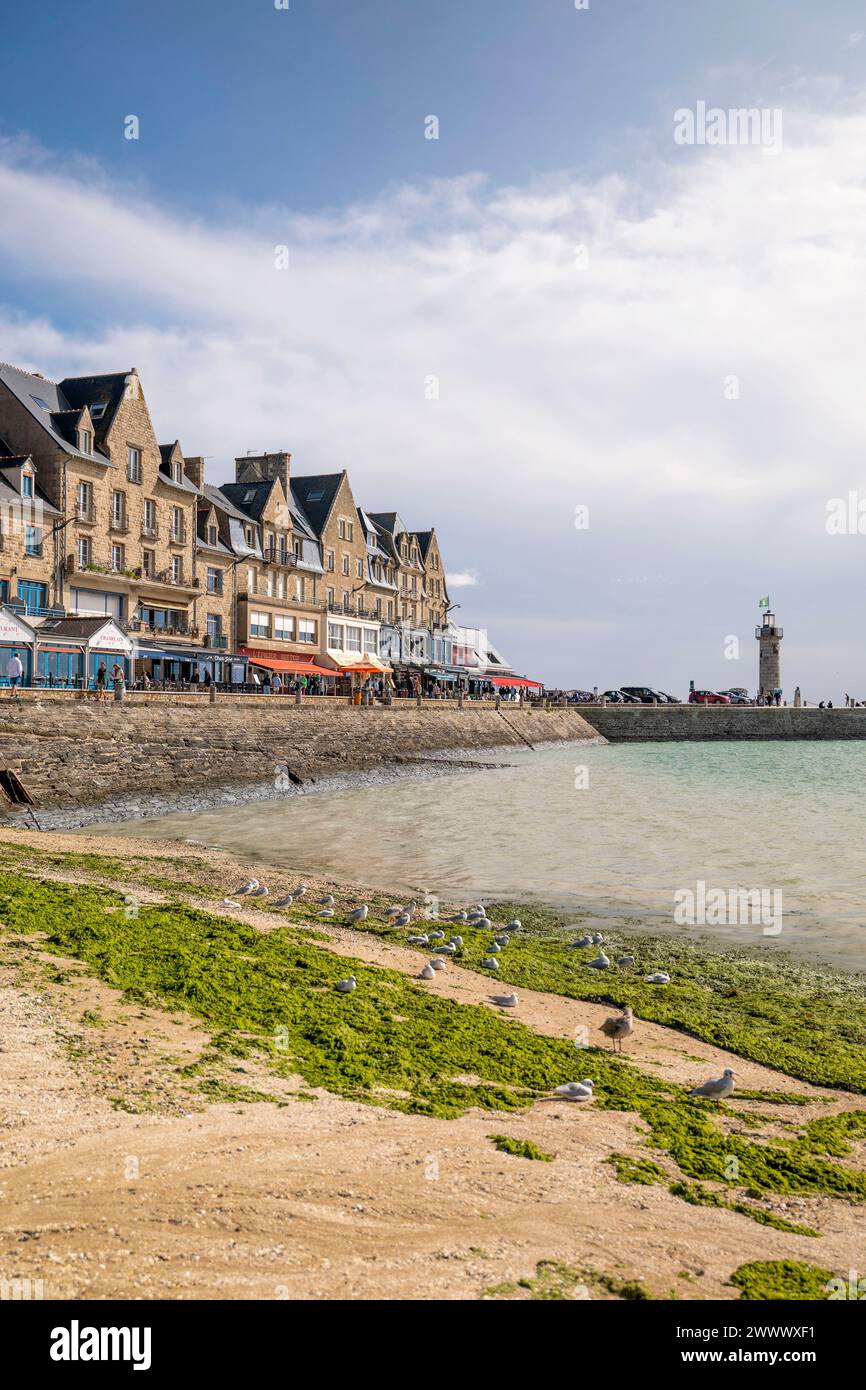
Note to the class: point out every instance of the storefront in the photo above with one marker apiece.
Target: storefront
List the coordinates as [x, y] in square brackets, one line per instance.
[70, 651]
[164, 664]
[295, 673]
[17, 638]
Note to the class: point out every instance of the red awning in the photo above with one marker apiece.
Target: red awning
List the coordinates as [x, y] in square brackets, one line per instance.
[361, 669]
[512, 681]
[295, 668]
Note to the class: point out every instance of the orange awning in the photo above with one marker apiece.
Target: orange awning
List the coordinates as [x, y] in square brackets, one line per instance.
[511, 680]
[295, 668]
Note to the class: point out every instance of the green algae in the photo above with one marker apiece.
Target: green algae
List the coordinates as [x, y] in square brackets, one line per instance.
[762, 1280]
[698, 1196]
[554, 1281]
[520, 1148]
[271, 994]
[636, 1170]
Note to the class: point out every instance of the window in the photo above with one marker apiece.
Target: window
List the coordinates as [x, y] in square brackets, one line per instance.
[177, 471]
[371, 640]
[269, 583]
[350, 531]
[34, 596]
[117, 558]
[259, 625]
[214, 626]
[271, 542]
[26, 484]
[148, 524]
[378, 608]
[118, 509]
[148, 563]
[177, 569]
[329, 564]
[307, 630]
[250, 535]
[211, 535]
[360, 569]
[85, 441]
[300, 589]
[335, 636]
[353, 639]
[346, 565]
[83, 548]
[214, 581]
[390, 610]
[284, 628]
[177, 530]
[346, 603]
[341, 529]
[251, 581]
[330, 595]
[281, 586]
[84, 502]
[33, 540]
[133, 464]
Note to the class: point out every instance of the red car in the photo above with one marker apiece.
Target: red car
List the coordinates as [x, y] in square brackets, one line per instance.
[708, 697]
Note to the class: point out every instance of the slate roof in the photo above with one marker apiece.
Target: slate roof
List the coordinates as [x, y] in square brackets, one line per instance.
[306, 490]
[48, 403]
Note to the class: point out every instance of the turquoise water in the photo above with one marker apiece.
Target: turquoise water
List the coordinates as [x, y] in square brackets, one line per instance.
[652, 820]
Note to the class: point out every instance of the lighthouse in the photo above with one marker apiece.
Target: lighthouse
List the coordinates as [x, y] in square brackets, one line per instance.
[769, 661]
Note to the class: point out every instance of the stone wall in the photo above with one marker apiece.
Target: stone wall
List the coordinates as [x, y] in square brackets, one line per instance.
[665, 723]
[69, 751]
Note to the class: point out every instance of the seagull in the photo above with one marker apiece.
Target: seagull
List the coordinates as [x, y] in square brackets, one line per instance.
[227, 902]
[575, 1090]
[446, 950]
[283, 902]
[359, 914]
[437, 935]
[457, 941]
[495, 949]
[260, 892]
[249, 887]
[459, 917]
[625, 961]
[395, 912]
[719, 1089]
[419, 940]
[437, 963]
[661, 977]
[597, 939]
[502, 940]
[428, 973]
[300, 891]
[513, 926]
[579, 945]
[483, 922]
[326, 912]
[346, 986]
[403, 920]
[504, 1001]
[601, 962]
[618, 1028]
[491, 963]
[327, 901]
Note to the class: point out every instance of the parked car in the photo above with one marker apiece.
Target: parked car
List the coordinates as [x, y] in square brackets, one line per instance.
[581, 697]
[738, 696]
[669, 699]
[616, 697]
[708, 697]
[644, 694]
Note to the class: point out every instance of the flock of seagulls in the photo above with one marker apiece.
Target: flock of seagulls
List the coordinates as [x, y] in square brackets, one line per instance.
[617, 1027]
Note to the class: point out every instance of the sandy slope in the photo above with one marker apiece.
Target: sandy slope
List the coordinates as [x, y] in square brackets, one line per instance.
[331, 1199]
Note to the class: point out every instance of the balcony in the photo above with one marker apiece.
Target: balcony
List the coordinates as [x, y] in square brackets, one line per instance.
[216, 641]
[273, 555]
[85, 516]
[270, 602]
[179, 629]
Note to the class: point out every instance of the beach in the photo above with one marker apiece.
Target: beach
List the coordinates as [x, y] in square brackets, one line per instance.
[190, 1111]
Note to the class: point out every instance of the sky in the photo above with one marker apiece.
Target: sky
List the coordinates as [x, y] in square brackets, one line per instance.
[619, 368]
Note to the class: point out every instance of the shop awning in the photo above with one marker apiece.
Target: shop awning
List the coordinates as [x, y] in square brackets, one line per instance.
[366, 665]
[295, 668]
[519, 681]
[441, 675]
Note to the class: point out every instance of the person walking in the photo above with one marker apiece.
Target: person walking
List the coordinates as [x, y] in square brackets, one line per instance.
[117, 676]
[14, 670]
[101, 678]
[277, 683]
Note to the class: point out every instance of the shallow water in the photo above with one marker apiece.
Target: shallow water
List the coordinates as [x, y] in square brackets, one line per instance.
[654, 819]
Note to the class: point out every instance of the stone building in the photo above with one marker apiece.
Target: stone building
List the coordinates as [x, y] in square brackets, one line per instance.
[434, 599]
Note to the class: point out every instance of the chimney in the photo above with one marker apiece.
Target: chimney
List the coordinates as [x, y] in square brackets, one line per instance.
[258, 468]
[194, 470]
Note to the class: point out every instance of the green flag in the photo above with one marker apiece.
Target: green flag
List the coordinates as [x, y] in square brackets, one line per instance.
[764, 602]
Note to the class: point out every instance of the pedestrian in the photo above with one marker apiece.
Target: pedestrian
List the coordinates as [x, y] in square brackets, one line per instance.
[14, 671]
[101, 678]
[277, 683]
[117, 676]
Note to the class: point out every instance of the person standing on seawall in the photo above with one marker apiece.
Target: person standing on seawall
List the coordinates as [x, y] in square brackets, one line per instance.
[14, 671]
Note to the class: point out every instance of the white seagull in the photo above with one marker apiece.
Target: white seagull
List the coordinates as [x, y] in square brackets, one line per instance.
[326, 912]
[504, 1001]
[283, 902]
[359, 914]
[437, 963]
[718, 1089]
[575, 1090]
[419, 940]
[249, 887]
[346, 986]
[403, 920]
[428, 973]
[457, 941]
[625, 961]
[579, 945]
[601, 962]
[227, 902]
[327, 901]
[491, 963]
[660, 977]
[300, 891]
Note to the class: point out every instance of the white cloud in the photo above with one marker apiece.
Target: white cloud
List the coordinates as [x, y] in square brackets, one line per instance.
[467, 579]
[559, 383]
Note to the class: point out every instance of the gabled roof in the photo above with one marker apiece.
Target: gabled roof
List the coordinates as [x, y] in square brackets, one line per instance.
[77, 628]
[315, 495]
[250, 498]
[424, 538]
[217, 498]
[102, 394]
[48, 403]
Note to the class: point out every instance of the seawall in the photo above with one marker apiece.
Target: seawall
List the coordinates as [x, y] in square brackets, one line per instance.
[672, 723]
[70, 752]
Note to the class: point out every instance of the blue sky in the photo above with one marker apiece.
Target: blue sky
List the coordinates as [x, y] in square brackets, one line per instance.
[457, 258]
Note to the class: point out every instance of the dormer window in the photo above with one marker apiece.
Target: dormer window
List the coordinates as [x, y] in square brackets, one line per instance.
[212, 535]
[26, 484]
[85, 441]
[176, 472]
